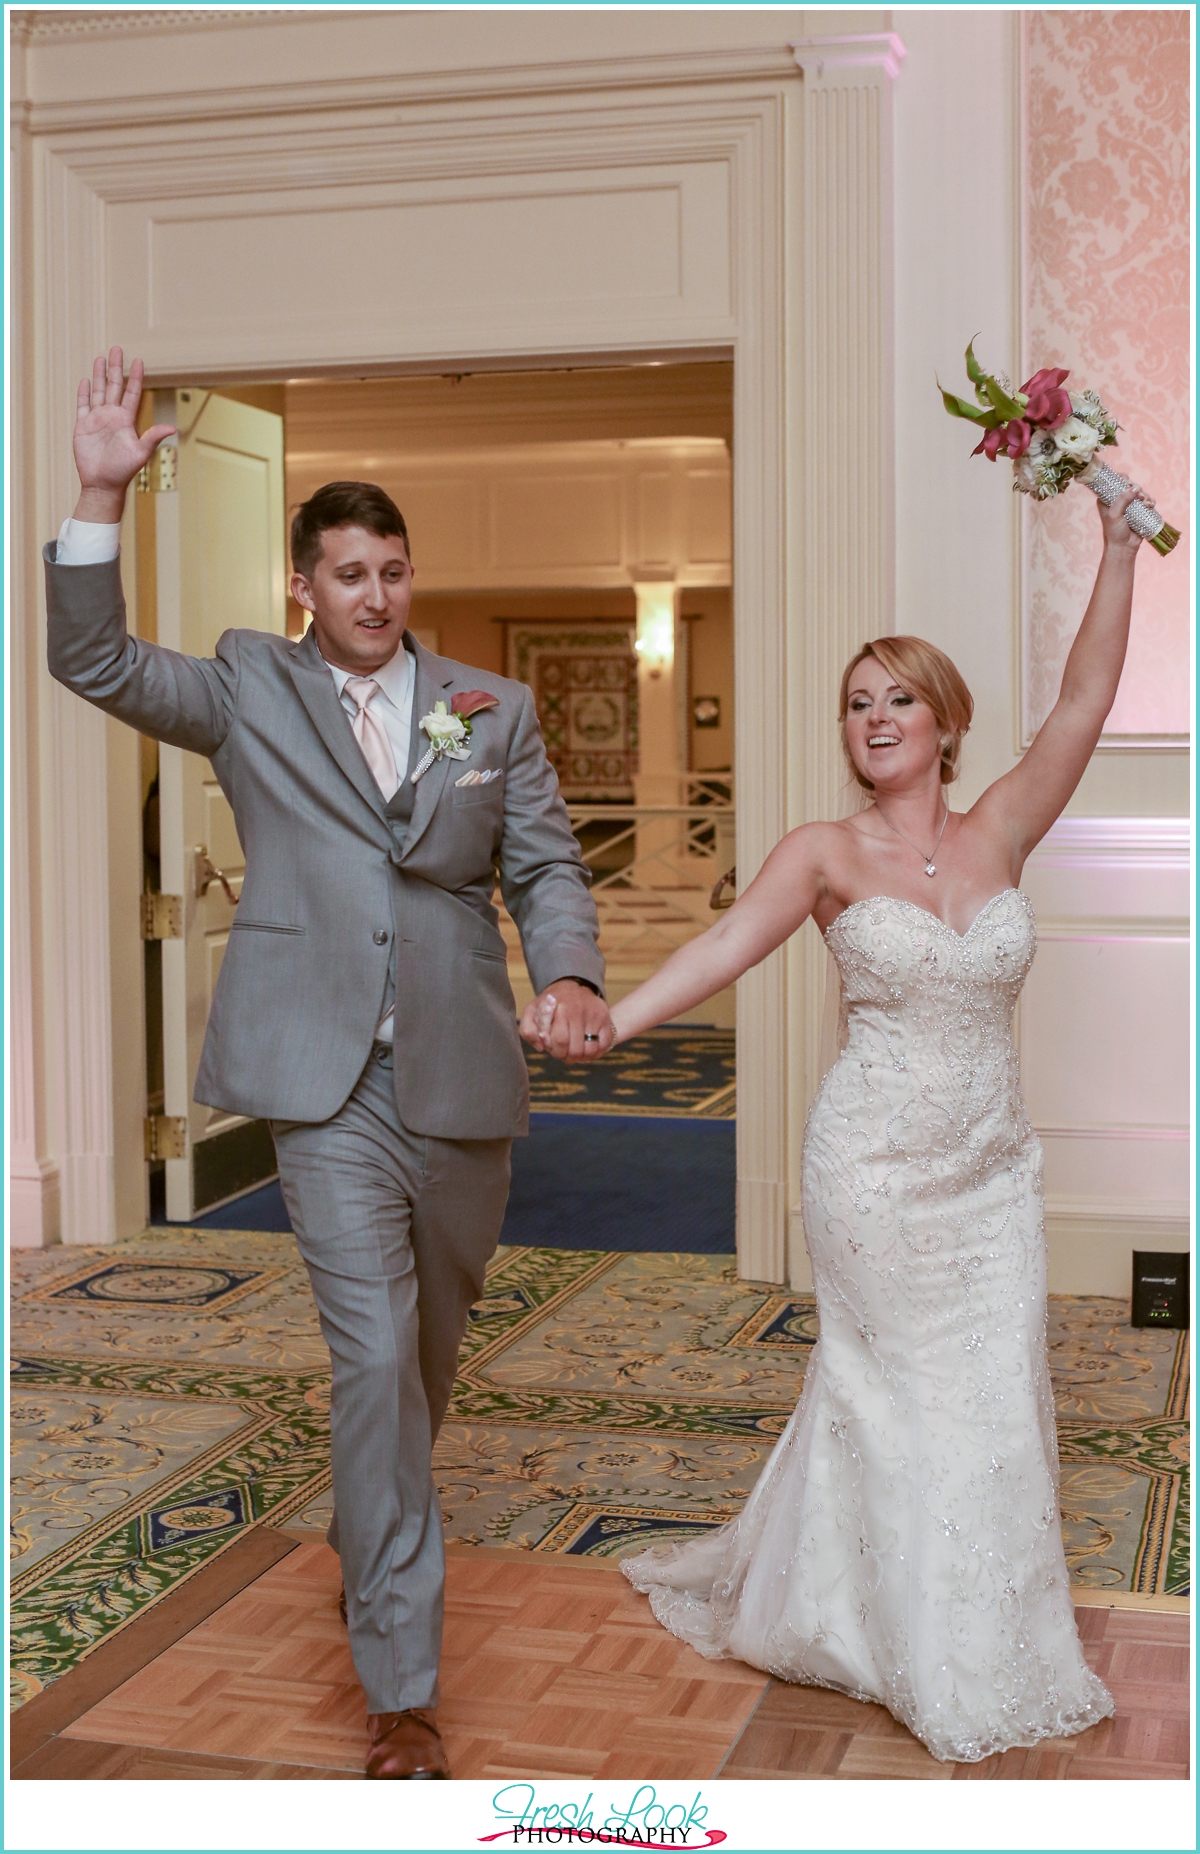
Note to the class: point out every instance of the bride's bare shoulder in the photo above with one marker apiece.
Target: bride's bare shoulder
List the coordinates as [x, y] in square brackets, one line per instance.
[817, 846]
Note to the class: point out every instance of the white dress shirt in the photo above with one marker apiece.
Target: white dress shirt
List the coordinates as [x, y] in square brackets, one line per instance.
[90, 543]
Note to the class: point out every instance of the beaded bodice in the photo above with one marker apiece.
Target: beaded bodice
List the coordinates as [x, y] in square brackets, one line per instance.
[927, 1023]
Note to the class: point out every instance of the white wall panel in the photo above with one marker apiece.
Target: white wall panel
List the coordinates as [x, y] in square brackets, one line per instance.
[708, 517]
[1104, 1028]
[447, 521]
[593, 513]
[655, 512]
[1116, 1173]
[396, 257]
[555, 521]
[1104, 1032]
[403, 265]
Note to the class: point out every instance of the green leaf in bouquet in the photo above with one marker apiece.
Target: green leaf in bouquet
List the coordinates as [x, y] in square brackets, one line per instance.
[996, 396]
[962, 408]
[975, 373]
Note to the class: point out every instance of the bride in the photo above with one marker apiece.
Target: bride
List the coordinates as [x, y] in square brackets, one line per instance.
[903, 1542]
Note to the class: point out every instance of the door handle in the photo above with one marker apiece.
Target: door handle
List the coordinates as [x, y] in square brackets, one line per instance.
[207, 873]
[717, 899]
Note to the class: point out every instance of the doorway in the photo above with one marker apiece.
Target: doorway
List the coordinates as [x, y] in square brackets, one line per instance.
[555, 515]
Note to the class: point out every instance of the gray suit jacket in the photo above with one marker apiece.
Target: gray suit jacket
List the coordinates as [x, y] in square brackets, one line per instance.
[330, 896]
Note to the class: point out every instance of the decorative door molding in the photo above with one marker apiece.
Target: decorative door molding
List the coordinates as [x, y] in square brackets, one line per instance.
[844, 519]
[733, 170]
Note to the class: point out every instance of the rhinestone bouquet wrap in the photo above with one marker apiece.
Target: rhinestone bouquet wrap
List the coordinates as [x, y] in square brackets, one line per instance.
[1051, 437]
[1108, 484]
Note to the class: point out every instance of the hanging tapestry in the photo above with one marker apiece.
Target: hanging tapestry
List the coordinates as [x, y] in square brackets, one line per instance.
[584, 682]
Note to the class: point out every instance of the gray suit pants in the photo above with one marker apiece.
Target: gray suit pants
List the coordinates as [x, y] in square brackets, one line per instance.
[396, 1231]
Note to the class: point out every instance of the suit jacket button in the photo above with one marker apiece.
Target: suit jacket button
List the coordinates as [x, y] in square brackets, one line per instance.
[379, 937]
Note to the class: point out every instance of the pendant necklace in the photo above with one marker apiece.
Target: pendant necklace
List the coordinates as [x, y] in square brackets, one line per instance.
[930, 865]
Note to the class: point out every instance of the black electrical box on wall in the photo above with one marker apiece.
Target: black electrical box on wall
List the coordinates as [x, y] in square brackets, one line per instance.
[1160, 1289]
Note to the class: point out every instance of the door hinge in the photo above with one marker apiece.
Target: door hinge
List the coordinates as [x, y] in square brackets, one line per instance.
[166, 1136]
[162, 917]
[161, 473]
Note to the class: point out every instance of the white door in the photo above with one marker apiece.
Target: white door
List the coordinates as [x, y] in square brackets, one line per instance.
[220, 552]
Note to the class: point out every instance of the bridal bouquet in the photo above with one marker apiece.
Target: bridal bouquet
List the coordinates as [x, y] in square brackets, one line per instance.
[1052, 437]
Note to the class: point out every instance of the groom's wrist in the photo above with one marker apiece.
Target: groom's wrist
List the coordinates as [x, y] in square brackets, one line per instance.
[569, 978]
[98, 504]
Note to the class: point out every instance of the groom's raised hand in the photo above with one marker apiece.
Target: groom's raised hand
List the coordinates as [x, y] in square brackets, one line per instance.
[569, 1021]
[108, 450]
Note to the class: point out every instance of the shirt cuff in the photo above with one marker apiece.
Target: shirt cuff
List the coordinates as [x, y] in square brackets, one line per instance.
[87, 543]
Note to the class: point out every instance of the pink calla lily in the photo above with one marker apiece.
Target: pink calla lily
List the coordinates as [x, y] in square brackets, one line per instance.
[473, 702]
[1049, 409]
[1046, 403]
[1044, 379]
[1011, 440]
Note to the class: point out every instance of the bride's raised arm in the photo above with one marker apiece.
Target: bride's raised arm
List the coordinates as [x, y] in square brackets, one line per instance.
[1025, 802]
[779, 900]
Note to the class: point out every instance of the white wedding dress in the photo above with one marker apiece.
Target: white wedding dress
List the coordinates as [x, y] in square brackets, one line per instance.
[903, 1543]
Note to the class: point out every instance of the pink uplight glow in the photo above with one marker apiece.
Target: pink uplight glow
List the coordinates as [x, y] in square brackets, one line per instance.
[1106, 268]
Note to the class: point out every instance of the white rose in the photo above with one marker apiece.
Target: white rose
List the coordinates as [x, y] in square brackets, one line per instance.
[443, 729]
[1076, 440]
[1025, 474]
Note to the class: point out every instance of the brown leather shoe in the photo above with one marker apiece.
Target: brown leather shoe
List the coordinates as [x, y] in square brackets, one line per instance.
[342, 1606]
[406, 1745]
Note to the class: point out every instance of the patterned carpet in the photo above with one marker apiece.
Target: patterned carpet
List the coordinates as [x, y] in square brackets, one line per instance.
[610, 1174]
[172, 1391]
[667, 1073]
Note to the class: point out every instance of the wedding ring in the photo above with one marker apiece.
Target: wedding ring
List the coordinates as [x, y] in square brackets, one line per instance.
[589, 1036]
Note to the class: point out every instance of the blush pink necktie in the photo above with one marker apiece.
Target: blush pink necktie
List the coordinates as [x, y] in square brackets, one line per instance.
[371, 735]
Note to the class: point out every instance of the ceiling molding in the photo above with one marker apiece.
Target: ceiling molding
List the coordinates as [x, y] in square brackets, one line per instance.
[610, 453]
[656, 70]
[681, 403]
[55, 25]
[329, 153]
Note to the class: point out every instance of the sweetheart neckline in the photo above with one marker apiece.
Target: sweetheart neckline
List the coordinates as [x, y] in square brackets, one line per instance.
[901, 901]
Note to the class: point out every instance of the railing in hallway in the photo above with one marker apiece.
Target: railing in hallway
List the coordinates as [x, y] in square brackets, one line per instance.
[654, 868]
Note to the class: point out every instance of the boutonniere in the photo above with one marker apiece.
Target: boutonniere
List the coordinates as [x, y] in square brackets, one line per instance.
[449, 732]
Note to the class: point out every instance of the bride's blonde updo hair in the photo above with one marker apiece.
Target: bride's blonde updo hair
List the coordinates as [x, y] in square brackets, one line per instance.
[922, 670]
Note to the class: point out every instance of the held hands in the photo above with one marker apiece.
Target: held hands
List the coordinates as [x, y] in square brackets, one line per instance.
[569, 1021]
[108, 451]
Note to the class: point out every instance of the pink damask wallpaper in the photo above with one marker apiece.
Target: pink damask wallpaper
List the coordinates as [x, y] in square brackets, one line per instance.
[1106, 270]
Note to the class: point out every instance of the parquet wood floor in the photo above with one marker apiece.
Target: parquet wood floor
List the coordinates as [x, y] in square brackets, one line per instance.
[548, 1669]
[556, 1668]
[1141, 1656]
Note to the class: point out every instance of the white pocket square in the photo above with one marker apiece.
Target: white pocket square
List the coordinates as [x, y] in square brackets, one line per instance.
[481, 778]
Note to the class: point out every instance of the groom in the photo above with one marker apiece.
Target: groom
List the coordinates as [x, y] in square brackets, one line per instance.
[363, 1004]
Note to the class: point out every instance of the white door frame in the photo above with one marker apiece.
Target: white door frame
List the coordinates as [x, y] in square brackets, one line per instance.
[799, 138]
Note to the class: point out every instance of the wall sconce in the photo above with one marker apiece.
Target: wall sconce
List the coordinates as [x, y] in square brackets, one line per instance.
[655, 644]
